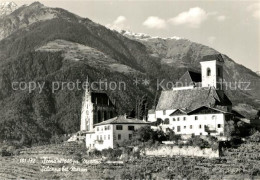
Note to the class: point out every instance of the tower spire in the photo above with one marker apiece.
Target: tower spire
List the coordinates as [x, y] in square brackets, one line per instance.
[87, 110]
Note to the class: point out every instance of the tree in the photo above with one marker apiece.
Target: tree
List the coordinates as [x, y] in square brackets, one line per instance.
[229, 129]
[171, 136]
[142, 107]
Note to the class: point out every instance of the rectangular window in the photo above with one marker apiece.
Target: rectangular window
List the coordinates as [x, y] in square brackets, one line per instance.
[108, 127]
[100, 137]
[130, 136]
[119, 136]
[164, 112]
[97, 128]
[196, 117]
[178, 119]
[108, 137]
[119, 127]
[184, 127]
[184, 118]
[200, 133]
[200, 126]
[219, 125]
[178, 128]
[131, 128]
[104, 137]
[190, 126]
[173, 119]
[97, 137]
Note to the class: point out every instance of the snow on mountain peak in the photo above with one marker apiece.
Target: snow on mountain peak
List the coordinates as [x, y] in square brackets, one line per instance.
[144, 37]
[7, 8]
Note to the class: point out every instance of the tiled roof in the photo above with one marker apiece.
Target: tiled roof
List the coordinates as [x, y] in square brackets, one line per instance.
[217, 57]
[237, 114]
[191, 99]
[207, 110]
[179, 112]
[121, 120]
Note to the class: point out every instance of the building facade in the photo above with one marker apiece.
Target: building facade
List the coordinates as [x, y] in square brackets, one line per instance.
[197, 104]
[201, 121]
[112, 132]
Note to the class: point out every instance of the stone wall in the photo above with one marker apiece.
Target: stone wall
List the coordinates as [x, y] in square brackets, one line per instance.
[167, 150]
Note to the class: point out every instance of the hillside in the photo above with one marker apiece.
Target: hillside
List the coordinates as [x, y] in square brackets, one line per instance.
[47, 45]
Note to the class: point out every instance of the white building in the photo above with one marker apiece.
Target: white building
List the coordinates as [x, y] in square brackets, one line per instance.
[151, 115]
[112, 132]
[197, 105]
[201, 121]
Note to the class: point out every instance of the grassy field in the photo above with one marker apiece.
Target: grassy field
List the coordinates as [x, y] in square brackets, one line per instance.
[65, 161]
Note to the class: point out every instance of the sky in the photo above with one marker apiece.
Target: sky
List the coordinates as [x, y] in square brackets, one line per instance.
[230, 27]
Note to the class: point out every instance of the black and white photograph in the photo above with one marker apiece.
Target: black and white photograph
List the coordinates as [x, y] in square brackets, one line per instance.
[130, 89]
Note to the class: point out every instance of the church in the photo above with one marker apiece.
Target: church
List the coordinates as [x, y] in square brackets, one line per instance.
[197, 104]
[96, 108]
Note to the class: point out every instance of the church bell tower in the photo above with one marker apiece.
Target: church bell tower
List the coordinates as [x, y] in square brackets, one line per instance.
[212, 71]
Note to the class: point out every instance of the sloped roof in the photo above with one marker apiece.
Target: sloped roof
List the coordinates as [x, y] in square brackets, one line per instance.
[191, 99]
[207, 110]
[189, 78]
[179, 112]
[237, 114]
[121, 120]
[217, 57]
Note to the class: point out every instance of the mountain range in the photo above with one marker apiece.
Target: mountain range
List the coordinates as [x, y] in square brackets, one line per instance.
[45, 45]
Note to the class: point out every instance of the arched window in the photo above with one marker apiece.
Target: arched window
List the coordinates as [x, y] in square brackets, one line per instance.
[208, 72]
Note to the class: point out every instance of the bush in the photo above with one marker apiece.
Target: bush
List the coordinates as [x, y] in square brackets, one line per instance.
[95, 152]
[8, 150]
[197, 141]
[112, 154]
[171, 136]
[234, 141]
[145, 136]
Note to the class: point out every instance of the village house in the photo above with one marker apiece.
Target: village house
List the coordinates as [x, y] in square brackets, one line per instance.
[112, 132]
[197, 104]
